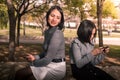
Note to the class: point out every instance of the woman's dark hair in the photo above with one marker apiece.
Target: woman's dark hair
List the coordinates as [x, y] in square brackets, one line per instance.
[84, 31]
[61, 24]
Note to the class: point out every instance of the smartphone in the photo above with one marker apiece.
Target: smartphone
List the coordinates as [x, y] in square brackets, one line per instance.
[105, 47]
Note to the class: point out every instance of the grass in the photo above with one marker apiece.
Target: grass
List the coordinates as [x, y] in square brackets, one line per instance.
[114, 51]
[113, 35]
[69, 33]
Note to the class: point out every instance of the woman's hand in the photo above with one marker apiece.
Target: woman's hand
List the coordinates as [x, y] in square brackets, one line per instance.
[97, 51]
[106, 49]
[30, 57]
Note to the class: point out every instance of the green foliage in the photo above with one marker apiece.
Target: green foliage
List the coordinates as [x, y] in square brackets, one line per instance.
[109, 9]
[93, 9]
[40, 11]
[3, 16]
[2, 1]
[114, 51]
[77, 7]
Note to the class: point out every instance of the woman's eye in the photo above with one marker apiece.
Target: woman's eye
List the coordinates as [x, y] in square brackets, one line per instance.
[52, 15]
[58, 17]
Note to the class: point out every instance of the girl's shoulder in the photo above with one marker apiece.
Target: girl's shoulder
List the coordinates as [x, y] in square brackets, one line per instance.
[76, 41]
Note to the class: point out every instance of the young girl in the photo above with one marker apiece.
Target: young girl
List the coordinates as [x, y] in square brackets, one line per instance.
[83, 55]
[49, 65]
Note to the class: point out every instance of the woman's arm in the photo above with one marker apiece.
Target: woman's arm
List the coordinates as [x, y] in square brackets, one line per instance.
[98, 58]
[80, 60]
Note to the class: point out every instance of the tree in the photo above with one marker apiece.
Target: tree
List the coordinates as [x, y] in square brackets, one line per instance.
[3, 16]
[22, 7]
[12, 23]
[99, 16]
[80, 7]
[109, 9]
[39, 15]
[75, 7]
[93, 10]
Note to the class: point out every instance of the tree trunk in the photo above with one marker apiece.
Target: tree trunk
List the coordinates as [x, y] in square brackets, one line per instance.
[99, 16]
[24, 28]
[18, 30]
[12, 24]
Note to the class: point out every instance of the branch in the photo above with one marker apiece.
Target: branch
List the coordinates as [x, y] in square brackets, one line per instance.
[34, 7]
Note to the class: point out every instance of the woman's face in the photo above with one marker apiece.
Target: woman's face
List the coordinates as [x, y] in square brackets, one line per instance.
[54, 18]
[93, 33]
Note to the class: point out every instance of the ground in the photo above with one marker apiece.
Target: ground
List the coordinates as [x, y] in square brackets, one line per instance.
[8, 69]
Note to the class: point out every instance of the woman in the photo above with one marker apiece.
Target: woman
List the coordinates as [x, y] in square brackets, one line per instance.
[83, 55]
[49, 65]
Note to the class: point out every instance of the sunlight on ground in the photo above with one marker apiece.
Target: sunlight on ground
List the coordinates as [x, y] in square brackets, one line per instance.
[113, 60]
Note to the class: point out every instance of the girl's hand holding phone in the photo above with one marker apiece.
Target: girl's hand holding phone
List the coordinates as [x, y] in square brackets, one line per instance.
[105, 49]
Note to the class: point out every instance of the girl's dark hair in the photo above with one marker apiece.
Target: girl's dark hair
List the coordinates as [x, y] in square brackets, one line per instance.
[84, 31]
[61, 24]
